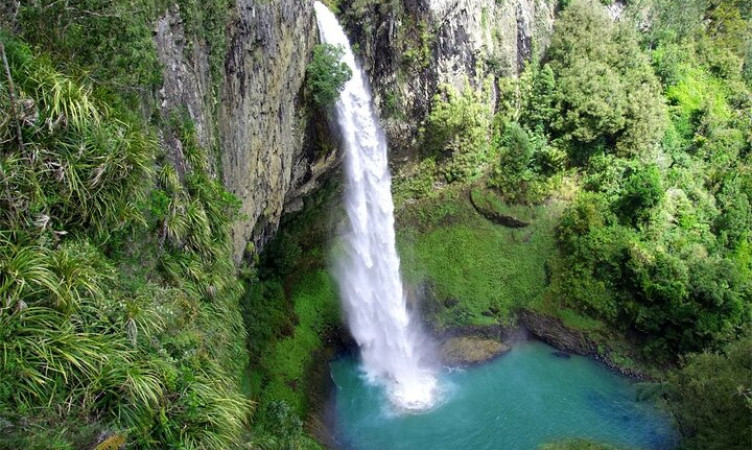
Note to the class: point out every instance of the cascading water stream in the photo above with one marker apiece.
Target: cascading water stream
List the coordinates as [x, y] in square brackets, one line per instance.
[393, 349]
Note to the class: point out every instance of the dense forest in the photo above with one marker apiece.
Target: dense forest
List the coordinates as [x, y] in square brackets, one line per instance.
[125, 322]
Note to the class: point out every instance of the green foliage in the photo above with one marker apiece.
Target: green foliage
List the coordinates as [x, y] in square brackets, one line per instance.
[711, 396]
[326, 74]
[523, 158]
[574, 320]
[75, 170]
[539, 95]
[110, 41]
[281, 429]
[116, 309]
[457, 132]
[290, 311]
[205, 24]
[606, 92]
[488, 269]
[285, 363]
[656, 232]
[414, 181]
[281, 255]
[417, 54]
[643, 190]
[661, 282]
[676, 21]
[517, 148]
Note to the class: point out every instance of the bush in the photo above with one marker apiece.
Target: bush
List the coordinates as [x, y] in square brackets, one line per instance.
[643, 191]
[326, 75]
[457, 132]
[119, 305]
[711, 396]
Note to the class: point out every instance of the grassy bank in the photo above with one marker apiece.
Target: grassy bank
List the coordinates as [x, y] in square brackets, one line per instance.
[478, 272]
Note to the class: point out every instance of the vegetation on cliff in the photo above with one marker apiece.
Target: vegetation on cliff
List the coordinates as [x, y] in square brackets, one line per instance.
[119, 316]
[326, 75]
[117, 280]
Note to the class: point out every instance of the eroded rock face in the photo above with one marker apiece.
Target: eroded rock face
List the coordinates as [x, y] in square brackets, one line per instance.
[411, 48]
[261, 114]
[186, 86]
[256, 120]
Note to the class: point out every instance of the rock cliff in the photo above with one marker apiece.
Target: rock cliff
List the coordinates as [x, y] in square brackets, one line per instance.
[257, 122]
[411, 48]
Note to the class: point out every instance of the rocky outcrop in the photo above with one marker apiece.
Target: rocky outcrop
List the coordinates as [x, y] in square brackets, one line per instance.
[186, 77]
[469, 350]
[262, 120]
[486, 209]
[411, 48]
[256, 120]
[552, 331]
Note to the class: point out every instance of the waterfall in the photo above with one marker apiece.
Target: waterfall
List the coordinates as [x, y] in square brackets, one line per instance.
[393, 350]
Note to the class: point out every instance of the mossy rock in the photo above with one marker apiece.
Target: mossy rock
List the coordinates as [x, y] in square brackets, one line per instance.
[467, 350]
[489, 205]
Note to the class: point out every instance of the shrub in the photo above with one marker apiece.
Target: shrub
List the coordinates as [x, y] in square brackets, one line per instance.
[605, 87]
[711, 396]
[457, 132]
[118, 304]
[326, 74]
[643, 190]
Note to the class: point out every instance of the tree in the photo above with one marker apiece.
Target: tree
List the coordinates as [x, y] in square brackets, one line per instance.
[539, 101]
[643, 190]
[606, 91]
[457, 131]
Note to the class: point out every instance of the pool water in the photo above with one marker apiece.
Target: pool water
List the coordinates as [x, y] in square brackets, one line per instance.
[528, 397]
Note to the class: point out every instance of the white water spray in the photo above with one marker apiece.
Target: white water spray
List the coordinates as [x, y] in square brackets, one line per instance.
[392, 347]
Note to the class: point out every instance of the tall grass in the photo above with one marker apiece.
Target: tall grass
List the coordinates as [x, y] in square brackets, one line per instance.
[118, 296]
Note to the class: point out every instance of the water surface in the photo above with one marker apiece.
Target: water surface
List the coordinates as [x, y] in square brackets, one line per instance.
[525, 398]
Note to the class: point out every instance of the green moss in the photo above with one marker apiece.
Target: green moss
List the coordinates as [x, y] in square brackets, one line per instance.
[290, 310]
[489, 269]
[574, 319]
[287, 361]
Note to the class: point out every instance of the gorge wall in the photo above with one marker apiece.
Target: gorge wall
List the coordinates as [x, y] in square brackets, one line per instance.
[410, 48]
[257, 121]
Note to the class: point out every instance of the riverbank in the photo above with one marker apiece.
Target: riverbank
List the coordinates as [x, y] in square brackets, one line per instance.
[477, 266]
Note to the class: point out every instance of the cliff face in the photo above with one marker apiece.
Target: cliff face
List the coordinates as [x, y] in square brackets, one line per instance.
[261, 118]
[257, 120]
[411, 48]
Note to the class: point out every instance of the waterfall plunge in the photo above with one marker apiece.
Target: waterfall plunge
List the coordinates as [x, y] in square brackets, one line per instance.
[392, 347]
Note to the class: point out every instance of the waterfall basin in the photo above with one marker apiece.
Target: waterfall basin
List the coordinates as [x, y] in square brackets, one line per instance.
[526, 398]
